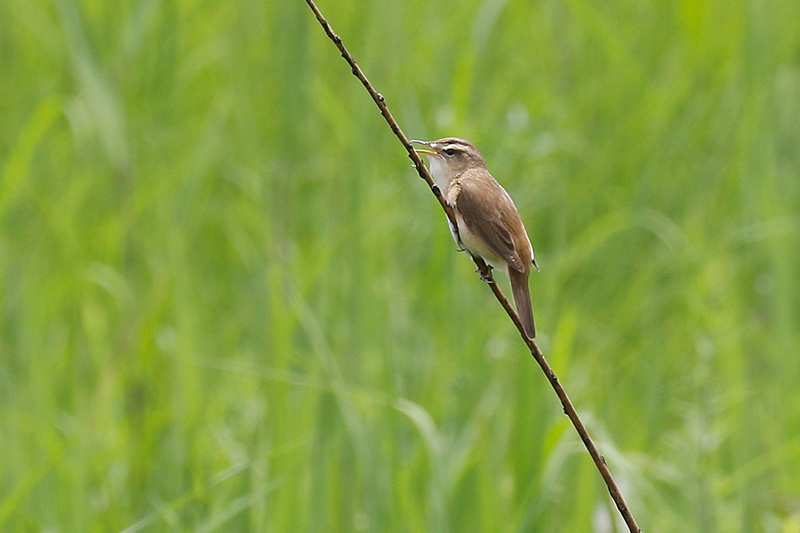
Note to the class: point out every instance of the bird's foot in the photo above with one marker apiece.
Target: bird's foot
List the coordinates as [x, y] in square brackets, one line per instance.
[486, 277]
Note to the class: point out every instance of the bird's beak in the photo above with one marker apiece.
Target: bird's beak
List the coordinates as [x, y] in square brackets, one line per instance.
[426, 152]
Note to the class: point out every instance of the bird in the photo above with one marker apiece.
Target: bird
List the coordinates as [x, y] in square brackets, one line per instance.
[488, 224]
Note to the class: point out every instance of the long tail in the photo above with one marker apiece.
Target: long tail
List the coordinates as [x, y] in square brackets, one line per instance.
[522, 300]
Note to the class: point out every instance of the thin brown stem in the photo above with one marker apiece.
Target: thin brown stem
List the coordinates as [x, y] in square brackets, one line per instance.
[486, 274]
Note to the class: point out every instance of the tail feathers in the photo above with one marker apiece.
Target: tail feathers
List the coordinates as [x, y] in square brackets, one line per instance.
[522, 300]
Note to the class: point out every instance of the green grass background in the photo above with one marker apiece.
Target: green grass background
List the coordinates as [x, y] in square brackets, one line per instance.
[227, 302]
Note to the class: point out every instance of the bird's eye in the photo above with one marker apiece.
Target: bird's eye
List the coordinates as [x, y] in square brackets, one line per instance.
[449, 151]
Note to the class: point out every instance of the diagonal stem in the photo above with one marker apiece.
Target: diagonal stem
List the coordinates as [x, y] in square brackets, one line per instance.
[486, 274]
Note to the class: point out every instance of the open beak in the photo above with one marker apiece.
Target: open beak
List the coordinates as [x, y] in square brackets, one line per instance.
[426, 152]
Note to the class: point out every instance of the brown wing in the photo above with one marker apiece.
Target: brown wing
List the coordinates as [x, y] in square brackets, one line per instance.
[490, 214]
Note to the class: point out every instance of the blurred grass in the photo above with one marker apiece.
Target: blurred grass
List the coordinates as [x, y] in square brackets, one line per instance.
[228, 304]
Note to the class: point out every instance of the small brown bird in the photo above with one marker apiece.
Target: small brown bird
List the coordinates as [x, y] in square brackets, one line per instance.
[488, 224]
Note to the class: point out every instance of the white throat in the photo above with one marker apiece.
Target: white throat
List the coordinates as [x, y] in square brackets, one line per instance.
[440, 174]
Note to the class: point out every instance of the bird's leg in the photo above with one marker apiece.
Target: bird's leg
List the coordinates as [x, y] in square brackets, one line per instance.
[487, 277]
